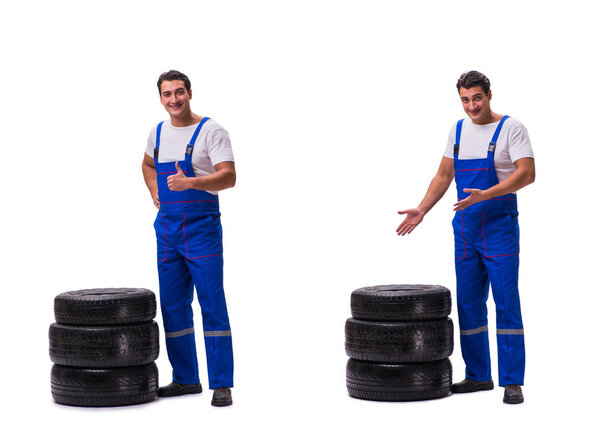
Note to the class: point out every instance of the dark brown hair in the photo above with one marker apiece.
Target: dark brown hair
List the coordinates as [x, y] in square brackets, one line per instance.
[473, 79]
[173, 75]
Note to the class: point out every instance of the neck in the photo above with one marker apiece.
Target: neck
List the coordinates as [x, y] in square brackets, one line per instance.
[491, 118]
[185, 120]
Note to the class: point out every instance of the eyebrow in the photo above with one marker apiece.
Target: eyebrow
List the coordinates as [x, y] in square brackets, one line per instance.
[474, 96]
[176, 90]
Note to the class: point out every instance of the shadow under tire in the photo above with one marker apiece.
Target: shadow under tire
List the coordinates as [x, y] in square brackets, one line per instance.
[398, 382]
[104, 346]
[105, 306]
[104, 387]
[391, 303]
[399, 342]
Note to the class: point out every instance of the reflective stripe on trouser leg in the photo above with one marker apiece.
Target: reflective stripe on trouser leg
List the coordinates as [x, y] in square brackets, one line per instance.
[503, 273]
[472, 289]
[176, 295]
[207, 274]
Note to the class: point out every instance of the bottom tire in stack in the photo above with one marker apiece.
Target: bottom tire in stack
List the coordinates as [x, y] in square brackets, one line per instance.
[401, 352]
[398, 382]
[109, 387]
[104, 344]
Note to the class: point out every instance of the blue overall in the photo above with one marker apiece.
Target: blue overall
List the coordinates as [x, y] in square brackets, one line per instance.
[486, 238]
[190, 253]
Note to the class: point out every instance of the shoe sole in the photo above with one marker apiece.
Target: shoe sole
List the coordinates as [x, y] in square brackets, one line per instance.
[513, 401]
[221, 404]
[473, 389]
[181, 393]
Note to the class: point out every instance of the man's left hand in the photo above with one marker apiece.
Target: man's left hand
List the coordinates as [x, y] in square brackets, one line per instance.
[475, 197]
[178, 182]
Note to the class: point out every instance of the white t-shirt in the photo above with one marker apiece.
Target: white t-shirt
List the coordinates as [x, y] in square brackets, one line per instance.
[212, 146]
[513, 144]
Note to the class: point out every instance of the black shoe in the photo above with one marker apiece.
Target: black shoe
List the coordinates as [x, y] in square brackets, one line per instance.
[176, 389]
[222, 397]
[468, 386]
[513, 394]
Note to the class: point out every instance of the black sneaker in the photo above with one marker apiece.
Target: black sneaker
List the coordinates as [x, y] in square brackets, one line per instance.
[176, 389]
[513, 394]
[468, 386]
[222, 397]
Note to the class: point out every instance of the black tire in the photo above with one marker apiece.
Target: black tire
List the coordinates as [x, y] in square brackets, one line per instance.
[398, 382]
[104, 387]
[390, 303]
[104, 346]
[399, 342]
[105, 306]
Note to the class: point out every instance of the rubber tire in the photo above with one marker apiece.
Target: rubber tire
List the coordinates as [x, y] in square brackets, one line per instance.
[391, 303]
[104, 346]
[105, 306]
[398, 382]
[104, 387]
[399, 342]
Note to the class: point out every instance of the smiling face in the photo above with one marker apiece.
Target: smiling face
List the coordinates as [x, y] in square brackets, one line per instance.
[476, 104]
[176, 99]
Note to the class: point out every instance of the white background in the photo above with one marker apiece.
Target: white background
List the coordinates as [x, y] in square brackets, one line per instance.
[338, 112]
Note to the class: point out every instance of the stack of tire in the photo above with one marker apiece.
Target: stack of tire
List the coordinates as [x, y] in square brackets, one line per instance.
[399, 339]
[104, 344]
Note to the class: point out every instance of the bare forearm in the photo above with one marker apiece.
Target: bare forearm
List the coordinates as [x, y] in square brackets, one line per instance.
[439, 185]
[150, 178]
[523, 176]
[214, 182]
[437, 189]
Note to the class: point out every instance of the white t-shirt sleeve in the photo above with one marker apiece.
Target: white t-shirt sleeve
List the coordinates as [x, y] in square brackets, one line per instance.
[519, 145]
[151, 142]
[449, 151]
[218, 146]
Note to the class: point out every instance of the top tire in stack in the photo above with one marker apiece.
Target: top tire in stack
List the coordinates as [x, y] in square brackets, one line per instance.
[104, 344]
[399, 339]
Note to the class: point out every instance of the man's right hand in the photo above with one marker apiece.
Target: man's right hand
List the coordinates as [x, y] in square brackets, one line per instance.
[412, 220]
[155, 199]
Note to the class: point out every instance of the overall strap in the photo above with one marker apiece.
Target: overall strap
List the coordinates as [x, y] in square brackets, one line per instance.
[157, 142]
[492, 146]
[493, 176]
[190, 147]
[457, 140]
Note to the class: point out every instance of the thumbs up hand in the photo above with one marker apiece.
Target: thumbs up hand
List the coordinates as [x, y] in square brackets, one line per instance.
[178, 181]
